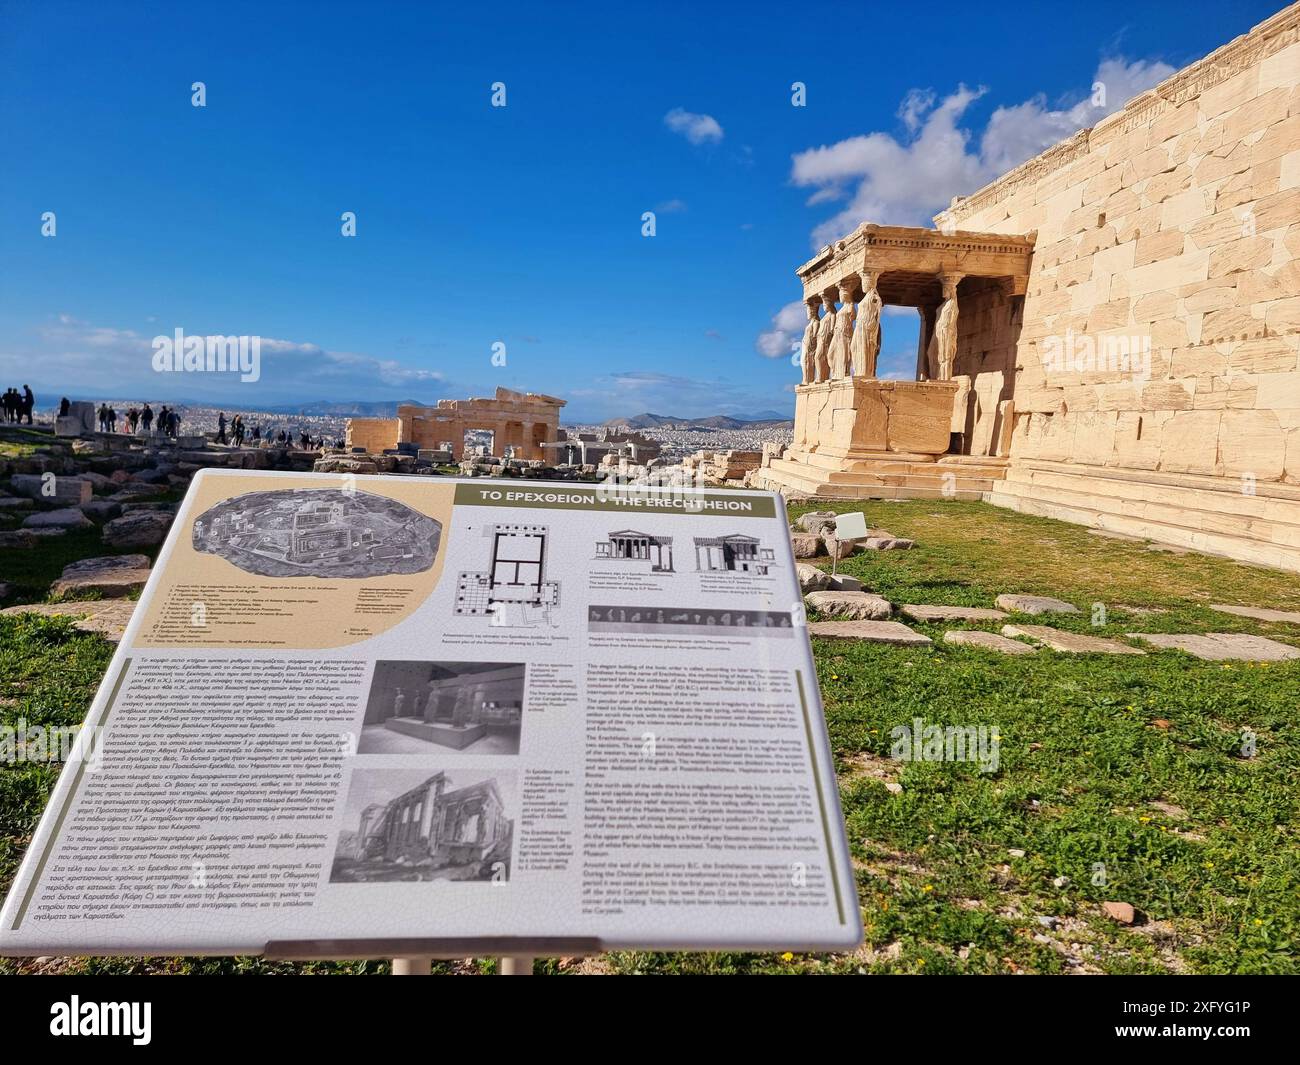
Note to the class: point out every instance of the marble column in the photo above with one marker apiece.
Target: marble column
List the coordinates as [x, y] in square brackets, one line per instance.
[825, 332]
[808, 352]
[842, 334]
[865, 348]
[944, 341]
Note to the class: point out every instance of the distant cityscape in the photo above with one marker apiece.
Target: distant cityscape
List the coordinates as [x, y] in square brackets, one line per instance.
[678, 437]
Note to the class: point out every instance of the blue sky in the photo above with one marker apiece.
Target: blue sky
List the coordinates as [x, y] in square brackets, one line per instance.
[518, 224]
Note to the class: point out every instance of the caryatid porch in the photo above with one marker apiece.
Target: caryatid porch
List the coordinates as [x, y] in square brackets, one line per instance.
[856, 434]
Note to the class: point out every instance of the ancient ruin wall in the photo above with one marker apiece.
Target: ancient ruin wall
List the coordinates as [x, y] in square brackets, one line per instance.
[1172, 227]
[374, 434]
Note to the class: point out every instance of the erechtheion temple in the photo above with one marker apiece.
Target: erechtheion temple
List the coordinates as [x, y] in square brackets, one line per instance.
[1109, 333]
[523, 421]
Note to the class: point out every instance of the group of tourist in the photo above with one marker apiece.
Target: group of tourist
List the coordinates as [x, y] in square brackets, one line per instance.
[137, 419]
[239, 433]
[18, 405]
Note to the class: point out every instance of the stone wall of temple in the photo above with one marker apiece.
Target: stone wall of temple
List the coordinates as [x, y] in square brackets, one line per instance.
[1158, 381]
[374, 434]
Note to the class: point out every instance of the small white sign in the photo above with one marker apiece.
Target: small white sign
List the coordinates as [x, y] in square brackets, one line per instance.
[851, 526]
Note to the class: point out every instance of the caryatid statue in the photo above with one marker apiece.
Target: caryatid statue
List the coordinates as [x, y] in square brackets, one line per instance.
[842, 336]
[808, 353]
[825, 330]
[866, 336]
[945, 328]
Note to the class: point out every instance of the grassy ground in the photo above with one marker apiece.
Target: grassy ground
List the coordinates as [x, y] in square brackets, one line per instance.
[1131, 768]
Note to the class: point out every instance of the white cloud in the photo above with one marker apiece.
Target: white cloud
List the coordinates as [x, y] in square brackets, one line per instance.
[117, 363]
[906, 181]
[671, 207]
[787, 327]
[698, 129]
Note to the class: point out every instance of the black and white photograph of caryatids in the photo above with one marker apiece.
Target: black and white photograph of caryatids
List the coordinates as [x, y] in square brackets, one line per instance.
[416, 706]
[423, 825]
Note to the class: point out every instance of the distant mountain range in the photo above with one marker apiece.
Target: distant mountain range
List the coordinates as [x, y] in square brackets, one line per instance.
[379, 409]
[761, 420]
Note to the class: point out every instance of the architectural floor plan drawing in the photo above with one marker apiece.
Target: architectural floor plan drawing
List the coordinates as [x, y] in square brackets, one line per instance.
[321, 532]
[514, 590]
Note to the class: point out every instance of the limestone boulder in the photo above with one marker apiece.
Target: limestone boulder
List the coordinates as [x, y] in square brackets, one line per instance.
[811, 579]
[892, 632]
[855, 606]
[65, 518]
[806, 545]
[1034, 604]
[138, 528]
[101, 510]
[838, 549]
[1070, 642]
[1223, 646]
[988, 641]
[112, 576]
[72, 491]
[817, 521]
[928, 613]
[18, 538]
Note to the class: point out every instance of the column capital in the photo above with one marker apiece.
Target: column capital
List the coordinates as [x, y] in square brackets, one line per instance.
[949, 280]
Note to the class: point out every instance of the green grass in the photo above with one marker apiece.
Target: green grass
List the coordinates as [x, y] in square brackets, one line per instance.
[1127, 763]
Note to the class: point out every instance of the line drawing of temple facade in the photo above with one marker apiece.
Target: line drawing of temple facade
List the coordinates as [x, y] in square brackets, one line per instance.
[631, 546]
[734, 553]
[513, 591]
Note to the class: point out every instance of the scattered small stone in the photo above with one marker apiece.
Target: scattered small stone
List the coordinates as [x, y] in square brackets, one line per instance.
[887, 543]
[894, 632]
[856, 606]
[842, 582]
[1034, 604]
[1259, 613]
[928, 612]
[989, 641]
[1174, 813]
[1162, 723]
[811, 579]
[893, 787]
[1223, 646]
[1070, 642]
[1047, 922]
[1119, 911]
[1061, 881]
[1016, 852]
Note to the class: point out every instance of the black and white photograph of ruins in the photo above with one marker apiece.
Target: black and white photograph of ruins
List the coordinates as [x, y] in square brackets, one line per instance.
[421, 825]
